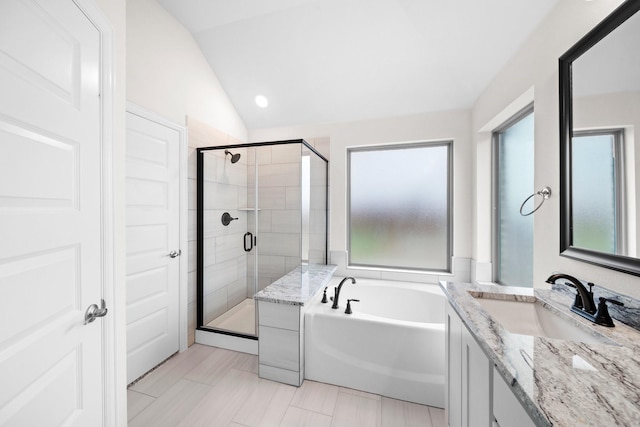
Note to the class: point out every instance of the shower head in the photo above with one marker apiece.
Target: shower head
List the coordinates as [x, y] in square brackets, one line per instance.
[234, 157]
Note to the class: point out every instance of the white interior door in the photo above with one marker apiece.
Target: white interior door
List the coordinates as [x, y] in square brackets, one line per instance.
[51, 262]
[153, 243]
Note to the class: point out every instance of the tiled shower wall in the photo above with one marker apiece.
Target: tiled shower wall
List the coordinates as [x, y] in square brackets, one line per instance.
[224, 257]
[225, 261]
[279, 218]
[280, 215]
[319, 210]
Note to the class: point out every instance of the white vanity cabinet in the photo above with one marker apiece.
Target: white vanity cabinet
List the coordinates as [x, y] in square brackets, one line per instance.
[468, 391]
[507, 410]
[476, 393]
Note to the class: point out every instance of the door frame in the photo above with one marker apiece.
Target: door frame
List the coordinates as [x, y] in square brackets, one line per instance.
[183, 304]
[113, 343]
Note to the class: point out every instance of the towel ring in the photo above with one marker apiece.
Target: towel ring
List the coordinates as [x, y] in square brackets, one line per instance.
[545, 193]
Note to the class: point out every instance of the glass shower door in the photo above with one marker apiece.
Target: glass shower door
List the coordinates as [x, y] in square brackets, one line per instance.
[229, 224]
[262, 215]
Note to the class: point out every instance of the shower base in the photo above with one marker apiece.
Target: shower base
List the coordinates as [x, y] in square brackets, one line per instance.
[240, 319]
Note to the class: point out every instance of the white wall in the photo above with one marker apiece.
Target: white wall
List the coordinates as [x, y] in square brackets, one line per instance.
[449, 125]
[168, 74]
[536, 65]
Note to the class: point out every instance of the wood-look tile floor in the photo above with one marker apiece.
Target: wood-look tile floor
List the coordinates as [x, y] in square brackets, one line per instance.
[208, 386]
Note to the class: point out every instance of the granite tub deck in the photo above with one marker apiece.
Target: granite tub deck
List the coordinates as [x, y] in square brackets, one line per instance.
[298, 286]
[559, 383]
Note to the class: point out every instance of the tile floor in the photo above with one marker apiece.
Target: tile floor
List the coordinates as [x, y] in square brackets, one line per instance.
[208, 386]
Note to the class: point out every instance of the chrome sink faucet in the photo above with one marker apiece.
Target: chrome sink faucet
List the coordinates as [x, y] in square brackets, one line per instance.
[336, 296]
[584, 304]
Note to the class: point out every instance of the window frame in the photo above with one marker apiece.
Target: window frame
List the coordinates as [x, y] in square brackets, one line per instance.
[620, 184]
[496, 135]
[448, 143]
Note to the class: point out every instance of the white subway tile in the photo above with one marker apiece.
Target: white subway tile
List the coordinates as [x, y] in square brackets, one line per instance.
[220, 275]
[279, 175]
[286, 221]
[274, 198]
[215, 304]
[287, 244]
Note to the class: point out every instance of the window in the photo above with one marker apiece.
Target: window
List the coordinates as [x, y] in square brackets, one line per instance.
[399, 202]
[597, 191]
[513, 183]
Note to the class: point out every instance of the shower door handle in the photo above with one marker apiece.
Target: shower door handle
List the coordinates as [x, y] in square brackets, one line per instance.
[249, 246]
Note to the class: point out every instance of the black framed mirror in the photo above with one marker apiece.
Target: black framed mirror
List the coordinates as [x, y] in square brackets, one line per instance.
[599, 159]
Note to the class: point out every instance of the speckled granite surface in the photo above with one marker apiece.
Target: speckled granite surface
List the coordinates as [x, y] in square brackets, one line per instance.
[628, 314]
[560, 383]
[298, 286]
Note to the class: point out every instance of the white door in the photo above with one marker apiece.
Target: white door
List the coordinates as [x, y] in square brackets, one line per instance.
[51, 265]
[153, 239]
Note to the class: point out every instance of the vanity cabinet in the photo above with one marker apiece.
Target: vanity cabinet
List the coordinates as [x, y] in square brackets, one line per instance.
[507, 410]
[468, 396]
[476, 393]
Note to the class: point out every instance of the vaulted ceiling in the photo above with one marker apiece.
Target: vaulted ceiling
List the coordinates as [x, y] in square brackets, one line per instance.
[343, 60]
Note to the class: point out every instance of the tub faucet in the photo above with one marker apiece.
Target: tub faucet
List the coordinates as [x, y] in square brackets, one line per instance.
[337, 291]
[585, 301]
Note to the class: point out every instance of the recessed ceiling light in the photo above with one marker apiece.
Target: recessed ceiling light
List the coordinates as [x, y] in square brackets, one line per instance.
[262, 101]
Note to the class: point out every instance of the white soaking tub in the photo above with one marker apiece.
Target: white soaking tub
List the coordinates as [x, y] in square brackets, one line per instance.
[392, 344]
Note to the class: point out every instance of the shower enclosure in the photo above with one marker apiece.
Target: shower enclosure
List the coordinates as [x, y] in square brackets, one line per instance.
[261, 213]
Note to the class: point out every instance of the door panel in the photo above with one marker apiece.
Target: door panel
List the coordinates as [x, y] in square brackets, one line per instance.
[153, 231]
[52, 157]
[50, 215]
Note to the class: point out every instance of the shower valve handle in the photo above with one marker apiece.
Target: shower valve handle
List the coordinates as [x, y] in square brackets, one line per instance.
[227, 218]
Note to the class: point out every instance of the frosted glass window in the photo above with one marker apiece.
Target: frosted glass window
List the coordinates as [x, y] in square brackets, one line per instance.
[594, 194]
[514, 183]
[400, 207]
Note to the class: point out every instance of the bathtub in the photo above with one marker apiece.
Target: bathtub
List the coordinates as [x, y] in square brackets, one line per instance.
[392, 344]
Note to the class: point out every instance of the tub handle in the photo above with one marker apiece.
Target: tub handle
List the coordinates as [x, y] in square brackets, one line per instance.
[324, 296]
[348, 310]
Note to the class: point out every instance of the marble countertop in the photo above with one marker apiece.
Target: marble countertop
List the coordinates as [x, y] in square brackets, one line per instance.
[559, 383]
[298, 286]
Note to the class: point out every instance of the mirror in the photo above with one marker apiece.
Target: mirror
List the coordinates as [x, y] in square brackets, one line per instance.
[599, 159]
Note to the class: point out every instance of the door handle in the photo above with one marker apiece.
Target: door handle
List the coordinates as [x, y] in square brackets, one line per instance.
[94, 312]
[248, 247]
[175, 254]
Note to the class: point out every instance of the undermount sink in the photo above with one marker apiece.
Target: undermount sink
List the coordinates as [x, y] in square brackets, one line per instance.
[532, 318]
